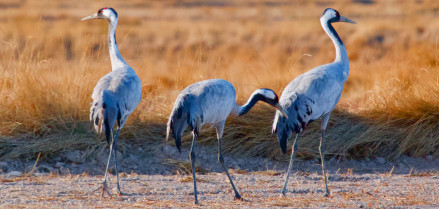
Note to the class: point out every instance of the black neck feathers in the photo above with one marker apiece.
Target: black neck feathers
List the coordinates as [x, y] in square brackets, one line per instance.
[253, 100]
[333, 32]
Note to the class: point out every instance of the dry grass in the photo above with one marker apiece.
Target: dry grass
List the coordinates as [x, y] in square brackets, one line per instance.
[50, 62]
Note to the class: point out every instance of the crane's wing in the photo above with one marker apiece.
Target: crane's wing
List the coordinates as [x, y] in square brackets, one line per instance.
[306, 99]
[119, 93]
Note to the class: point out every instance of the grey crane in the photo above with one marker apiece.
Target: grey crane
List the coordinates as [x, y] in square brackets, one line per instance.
[116, 95]
[211, 102]
[313, 95]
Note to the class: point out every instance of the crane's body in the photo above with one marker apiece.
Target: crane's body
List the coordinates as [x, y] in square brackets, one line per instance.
[313, 95]
[116, 95]
[210, 102]
[206, 102]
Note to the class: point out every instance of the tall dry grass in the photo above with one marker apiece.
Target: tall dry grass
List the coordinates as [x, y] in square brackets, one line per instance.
[50, 62]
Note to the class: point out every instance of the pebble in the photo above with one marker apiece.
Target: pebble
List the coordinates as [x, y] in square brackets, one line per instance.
[74, 156]
[59, 164]
[4, 167]
[335, 177]
[13, 174]
[429, 158]
[40, 174]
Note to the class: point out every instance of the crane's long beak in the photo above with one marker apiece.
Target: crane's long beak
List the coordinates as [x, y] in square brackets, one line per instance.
[344, 19]
[281, 109]
[93, 16]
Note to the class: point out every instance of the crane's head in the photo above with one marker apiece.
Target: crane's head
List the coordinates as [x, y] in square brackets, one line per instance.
[106, 13]
[271, 98]
[332, 15]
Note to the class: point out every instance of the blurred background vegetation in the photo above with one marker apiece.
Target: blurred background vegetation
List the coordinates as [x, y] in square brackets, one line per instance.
[50, 61]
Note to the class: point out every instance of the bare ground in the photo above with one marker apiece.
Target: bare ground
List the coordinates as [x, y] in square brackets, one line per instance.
[161, 180]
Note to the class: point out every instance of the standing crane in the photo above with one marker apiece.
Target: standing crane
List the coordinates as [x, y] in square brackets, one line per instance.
[313, 95]
[211, 102]
[116, 95]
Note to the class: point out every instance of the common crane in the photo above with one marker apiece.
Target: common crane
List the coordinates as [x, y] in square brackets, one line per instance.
[313, 95]
[116, 95]
[211, 102]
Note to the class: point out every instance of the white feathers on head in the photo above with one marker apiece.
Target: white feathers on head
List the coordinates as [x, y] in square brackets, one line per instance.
[329, 14]
[266, 92]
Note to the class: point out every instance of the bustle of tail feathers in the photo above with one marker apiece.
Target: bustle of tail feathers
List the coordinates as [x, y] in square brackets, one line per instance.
[104, 113]
[96, 115]
[283, 127]
[179, 120]
[175, 124]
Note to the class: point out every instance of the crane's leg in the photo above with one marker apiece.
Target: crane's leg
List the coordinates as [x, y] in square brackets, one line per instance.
[115, 160]
[104, 183]
[192, 157]
[293, 152]
[219, 132]
[322, 150]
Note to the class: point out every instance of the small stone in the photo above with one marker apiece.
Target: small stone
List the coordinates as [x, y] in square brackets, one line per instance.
[40, 174]
[59, 164]
[44, 169]
[380, 160]
[335, 177]
[75, 156]
[429, 158]
[4, 167]
[13, 174]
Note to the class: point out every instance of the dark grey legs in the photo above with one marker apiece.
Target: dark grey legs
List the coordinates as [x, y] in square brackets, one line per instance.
[115, 160]
[219, 133]
[322, 150]
[221, 160]
[192, 157]
[293, 152]
[104, 183]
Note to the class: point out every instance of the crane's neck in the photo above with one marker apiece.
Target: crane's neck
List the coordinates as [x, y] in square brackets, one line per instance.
[341, 55]
[264, 95]
[117, 61]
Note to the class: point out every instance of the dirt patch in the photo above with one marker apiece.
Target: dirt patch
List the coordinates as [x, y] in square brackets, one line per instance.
[405, 182]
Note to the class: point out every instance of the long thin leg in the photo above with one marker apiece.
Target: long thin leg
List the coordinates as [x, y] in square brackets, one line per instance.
[219, 133]
[293, 152]
[104, 183]
[192, 157]
[115, 160]
[221, 160]
[322, 150]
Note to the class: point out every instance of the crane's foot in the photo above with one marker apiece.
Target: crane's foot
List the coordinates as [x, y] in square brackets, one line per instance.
[196, 202]
[104, 189]
[120, 193]
[238, 197]
[327, 194]
[283, 195]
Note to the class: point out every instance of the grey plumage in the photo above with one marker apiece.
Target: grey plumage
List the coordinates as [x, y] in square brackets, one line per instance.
[115, 96]
[313, 95]
[210, 102]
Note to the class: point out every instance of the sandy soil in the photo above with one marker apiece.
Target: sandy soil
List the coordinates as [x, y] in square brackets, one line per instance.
[156, 182]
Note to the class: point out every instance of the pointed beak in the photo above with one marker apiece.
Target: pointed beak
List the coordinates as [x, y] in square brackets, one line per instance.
[281, 109]
[93, 16]
[344, 19]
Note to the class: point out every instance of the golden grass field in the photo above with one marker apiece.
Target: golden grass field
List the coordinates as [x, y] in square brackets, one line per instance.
[50, 61]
